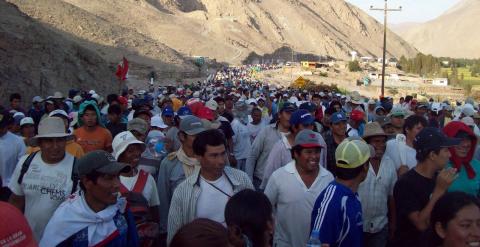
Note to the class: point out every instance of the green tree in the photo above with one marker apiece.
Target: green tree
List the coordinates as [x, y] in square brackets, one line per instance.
[354, 66]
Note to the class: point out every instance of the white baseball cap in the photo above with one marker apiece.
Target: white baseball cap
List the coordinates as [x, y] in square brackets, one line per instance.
[58, 112]
[157, 121]
[122, 140]
[26, 120]
[212, 105]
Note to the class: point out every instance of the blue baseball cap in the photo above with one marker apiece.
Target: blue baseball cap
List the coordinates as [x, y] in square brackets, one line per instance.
[184, 111]
[338, 117]
[168, 112]
[431, 138]
[309, 106]
[301, 116]
[288, 107]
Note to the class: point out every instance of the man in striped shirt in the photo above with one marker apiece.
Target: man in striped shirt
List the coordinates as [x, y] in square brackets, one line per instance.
[337, 213]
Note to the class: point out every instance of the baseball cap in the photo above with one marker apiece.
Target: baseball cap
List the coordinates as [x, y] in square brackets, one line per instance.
[309, 106]
[157, 121]
[122, 100]
[100, 161]
[122, 140]
[351, 154]
[37, 99]
[307, 139]
[138, 124]
[301, 116]
[77, 99]
[397, 112]
[212, 105]
[17, 117]
[468, 121]
[357, 115]
[468, 110]
[26, 120]
[432, 138]
[338, 117]
[192, 125]
[168, 112]
[15, 230]
[137, 113]
[289, 107]
[183, 112]
[205, 113]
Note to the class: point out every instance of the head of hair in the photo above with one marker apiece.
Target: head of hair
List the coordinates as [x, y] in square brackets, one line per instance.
[413, 120]
[316, 96]
[423, 155]
[15, 96]
[249, 212]
[445, 209]
[114, 109]
[111, 98]
[349, 173]
[219, 99]
[201, 233]
[213, 137]
[255, 109]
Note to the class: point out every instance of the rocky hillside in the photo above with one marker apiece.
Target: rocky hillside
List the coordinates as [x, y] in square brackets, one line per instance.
[37, 61]
[453, 34]
[227, 30]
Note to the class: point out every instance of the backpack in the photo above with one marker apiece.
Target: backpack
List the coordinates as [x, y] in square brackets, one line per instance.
[138, 205]
[26, 164]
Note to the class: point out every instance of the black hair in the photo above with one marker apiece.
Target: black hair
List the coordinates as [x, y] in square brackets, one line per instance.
[201, 233]
[445, 209]
[254, 109]
[111, 98]
[422, 155]
[114, 109]
[213, 137]
[90, 108]
[92, 176]
[219, 99]
[316, 95]
[250, 212]
[15, 96]
[413, 120]
[297, 150]
[349, 173]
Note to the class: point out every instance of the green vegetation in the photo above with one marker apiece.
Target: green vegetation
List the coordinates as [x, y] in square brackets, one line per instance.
[354, 66]
[424, 65]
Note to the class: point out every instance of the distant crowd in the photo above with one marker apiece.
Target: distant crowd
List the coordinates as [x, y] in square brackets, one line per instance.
[235, 162]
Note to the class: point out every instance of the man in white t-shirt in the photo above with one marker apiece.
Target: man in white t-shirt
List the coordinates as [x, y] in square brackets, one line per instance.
[205, 193]
[241, 137]
[41, 181]
[128, 149]
[293, 189]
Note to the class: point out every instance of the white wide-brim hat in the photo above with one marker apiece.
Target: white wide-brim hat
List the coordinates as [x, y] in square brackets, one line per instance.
[50, 127]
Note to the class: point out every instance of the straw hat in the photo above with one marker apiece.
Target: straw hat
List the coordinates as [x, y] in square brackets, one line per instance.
[355, 98]
[50, 127]
[373, 129]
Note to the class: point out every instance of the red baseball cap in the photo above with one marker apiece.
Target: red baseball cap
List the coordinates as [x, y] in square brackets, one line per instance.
[122, 100]
[205, 113]
[18, 232]
[357, 115]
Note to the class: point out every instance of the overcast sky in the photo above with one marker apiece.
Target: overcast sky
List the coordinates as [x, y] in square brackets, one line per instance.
[413, 10]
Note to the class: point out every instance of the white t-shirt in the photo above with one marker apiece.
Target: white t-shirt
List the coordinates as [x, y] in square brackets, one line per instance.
[394, 153]
[241, 140]
[149, 191]
[351, 131]
[45, 187]
[211, 202]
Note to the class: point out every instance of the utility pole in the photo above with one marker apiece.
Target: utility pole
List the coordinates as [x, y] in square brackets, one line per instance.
[386, 10]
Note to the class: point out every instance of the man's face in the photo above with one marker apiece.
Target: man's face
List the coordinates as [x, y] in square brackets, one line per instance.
[187, 140]
[53, 148]
[316, 101]
[132, 155]
[113, 118]
[379, 144]
[28, 130]
[15, 103]
[308, 159]
[371, 107]
[339, 128]
[442, 158]
[37, 105]
[256, 117]
[105, 190]
[89, 118]
[420, 111]
[138, 135]
[229, 104]
[397, 121]
[261, 103]
[214, 159]
[284, 118]
[221, 107]
[168, 120]
[414, 131]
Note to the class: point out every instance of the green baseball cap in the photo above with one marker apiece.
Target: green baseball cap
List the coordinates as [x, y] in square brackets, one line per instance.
[100, 161]
[351, 154]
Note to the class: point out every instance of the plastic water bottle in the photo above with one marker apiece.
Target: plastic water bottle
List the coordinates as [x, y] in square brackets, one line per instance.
[314, 240]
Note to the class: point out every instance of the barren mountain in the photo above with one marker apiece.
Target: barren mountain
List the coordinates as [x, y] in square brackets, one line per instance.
[453, 34]
[227, 30]
[37, 61]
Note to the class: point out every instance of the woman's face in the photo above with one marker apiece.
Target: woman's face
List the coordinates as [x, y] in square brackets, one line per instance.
[463, 230]
[462, 149]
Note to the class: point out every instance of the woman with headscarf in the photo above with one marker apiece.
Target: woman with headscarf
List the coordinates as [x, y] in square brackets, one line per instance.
[461, 158]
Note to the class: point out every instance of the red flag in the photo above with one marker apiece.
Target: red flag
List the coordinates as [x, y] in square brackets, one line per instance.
[122, 70]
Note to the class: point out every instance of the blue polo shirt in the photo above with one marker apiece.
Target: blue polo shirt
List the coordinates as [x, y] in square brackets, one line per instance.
[337, 215]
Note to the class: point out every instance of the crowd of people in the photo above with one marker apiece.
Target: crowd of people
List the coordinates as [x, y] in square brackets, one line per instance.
[234, 162]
